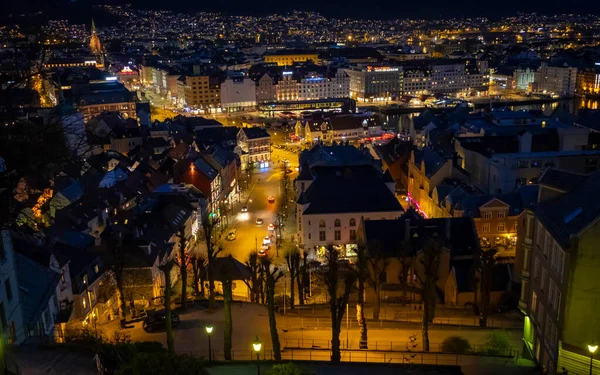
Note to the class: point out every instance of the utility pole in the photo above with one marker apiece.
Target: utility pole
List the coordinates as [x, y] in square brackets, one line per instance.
[284, 293]
[347, 326]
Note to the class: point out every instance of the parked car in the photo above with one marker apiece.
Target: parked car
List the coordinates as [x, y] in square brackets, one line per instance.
[271, 226]
[157, 320]
[263, 250]
[259, 221]
[271, 199]
[267, 241]
[232, 235]
[245, 209]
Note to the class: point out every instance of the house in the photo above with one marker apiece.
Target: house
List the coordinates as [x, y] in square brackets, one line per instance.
[28, 300]
[394, 156]
[562, 293]
[400, 242]
[254, 147]
[330, 208]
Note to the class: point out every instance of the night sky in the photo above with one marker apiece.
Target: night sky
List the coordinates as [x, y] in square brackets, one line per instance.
[382, 9]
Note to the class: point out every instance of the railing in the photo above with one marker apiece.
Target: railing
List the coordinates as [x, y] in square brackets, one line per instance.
[361, 356]
[387, 346]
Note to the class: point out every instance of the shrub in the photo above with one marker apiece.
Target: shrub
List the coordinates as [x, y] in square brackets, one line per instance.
[496, 343]
[456, 344]
[286, 369]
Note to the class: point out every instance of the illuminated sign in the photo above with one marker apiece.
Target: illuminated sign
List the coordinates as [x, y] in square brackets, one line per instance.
[126, 70]
[90, 62]
[287, 73]
[313, 79]
[110, 78]
[381, 69]
[598, 63]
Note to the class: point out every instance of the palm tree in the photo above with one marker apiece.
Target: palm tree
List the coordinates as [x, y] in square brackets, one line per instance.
[337, 302]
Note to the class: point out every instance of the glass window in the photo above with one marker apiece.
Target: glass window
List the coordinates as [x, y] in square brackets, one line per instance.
[501, 214]
[322, 224]
[322, 236]
[485, 228]
[352, 234]
[352, 222]
[337, 223]
[487, 215]
[501, 227]
[337, 235]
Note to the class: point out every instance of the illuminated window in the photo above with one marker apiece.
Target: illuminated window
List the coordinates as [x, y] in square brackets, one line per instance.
[352, 222]
[501, 227]
[501, 214]
[322, 236]
[322, 224]
[337, 235]
[487, 215]
[485, 228]
[337, 223]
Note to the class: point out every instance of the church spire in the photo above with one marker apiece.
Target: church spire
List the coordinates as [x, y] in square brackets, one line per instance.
[95, 46]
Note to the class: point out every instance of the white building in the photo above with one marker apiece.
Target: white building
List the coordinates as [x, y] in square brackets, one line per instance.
[238, 93]
[559, 80]
[318, 86]
[375, 83]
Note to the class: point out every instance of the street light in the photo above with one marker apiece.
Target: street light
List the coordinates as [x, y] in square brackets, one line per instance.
[209, 329]
[257, 345]
[592, 348]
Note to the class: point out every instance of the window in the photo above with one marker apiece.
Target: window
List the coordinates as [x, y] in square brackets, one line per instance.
[321, 223]
[2, 316]
[501, 227]
[85, 279]
[337, 235]
[8, 287]
[536, 269]
[485, 228]
[309, 236]
[533, 302]
[352, 234]
[501, 214]
[96, 269]
[337, 223]
[84, 302]
[352, 222]
[543, 279]
[560, 263]
[322, 236]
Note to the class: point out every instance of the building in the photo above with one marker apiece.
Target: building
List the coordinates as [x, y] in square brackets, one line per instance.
[560, 80]
[254, 147]
[289, 57]
[238, 93]
[266, 89]
[95, 97]
[562, 294]
[332, 84]
[28, 300]
[450, 76]
[370, 83]
[201, 91]
[332, 202]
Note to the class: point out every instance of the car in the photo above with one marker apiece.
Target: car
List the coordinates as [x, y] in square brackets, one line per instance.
[157, 320]
[289, 171]
[271, 199]
[259, 221]
[232, 235]
[267, 241]
[263, 250]
[271, 226]
[245, 209]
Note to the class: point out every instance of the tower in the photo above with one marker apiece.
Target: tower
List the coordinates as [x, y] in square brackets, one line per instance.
[95, 46]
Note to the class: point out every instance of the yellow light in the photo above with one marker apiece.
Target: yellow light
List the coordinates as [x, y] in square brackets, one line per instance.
[592, 348]
[209, 329]
[257, 345]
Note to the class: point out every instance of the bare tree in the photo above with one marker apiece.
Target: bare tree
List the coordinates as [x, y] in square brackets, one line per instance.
[301, 275]
[272, 275]
[182, 262]
[254, 267]
[405, 259]
[166, 270]
[337, 301]
[198, 268]
[362, 275]
[486, 260]
[378, 265]
[430, 260]
[292, 257]
[209, 224]
[115, 255]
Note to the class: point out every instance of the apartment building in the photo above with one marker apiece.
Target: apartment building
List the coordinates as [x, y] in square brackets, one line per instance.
[369, 83]
[288, 58]
[315, 85]
[254, 147]
[557, 79]
[561, 297]
[238, 92]
[454, 76]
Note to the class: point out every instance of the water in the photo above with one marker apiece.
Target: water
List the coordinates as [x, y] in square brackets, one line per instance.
[403, 122]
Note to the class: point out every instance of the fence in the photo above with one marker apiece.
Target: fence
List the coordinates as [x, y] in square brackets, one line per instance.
[388, 346]
[361, 356]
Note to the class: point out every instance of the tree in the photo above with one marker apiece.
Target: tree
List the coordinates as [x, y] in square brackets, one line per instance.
[115, 254]
[301, 276]
[166, 270]
[362, 275]
[212, 252]
[430, 260]
[292, 257]
[337, 301]
[272, 275]
[227, 283]
[198, 268]
[182, 263]
[486, 259]
[254, 268]
[378, 265]
[405, 260]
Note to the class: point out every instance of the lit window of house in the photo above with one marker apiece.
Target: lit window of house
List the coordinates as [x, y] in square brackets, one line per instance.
[487, 215]
[501, 227]
[485, 228]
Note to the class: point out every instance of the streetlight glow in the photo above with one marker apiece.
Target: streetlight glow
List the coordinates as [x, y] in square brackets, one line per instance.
[257, 345]
[209, 329]
[592, 348]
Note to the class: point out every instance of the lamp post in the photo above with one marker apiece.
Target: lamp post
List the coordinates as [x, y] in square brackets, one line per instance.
[257, 345]
[209, 329]
[592, 348]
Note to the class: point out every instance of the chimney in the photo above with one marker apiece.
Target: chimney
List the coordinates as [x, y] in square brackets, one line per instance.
[406, 230]
[448, 226]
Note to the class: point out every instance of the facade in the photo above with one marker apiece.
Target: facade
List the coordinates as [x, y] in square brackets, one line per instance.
[375, 83]
[288, 58]
[266, 89]
[317, 86]
[561, 296]
[201, 92]
[445, 77]
[558, 80]
[238, 93]
[254, 147]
